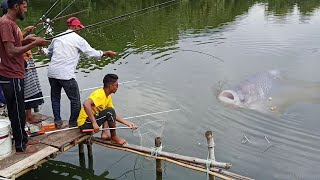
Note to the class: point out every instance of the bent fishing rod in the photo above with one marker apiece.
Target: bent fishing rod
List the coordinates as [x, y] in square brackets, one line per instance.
[112, 19]
[45, 15]
[48, 23]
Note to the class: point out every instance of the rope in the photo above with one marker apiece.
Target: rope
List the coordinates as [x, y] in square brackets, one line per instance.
[156, 150]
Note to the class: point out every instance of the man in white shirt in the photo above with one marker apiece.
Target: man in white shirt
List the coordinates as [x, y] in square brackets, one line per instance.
[64, 52]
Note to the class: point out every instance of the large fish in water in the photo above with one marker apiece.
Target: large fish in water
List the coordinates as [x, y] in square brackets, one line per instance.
[269, 91]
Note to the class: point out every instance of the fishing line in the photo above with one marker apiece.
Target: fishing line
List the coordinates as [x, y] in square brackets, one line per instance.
[112, 19]
[202, 53]
[82, 90]
[130, 17]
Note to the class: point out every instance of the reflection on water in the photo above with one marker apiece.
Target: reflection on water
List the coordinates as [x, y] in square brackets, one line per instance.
[64, 170]
[179, 55]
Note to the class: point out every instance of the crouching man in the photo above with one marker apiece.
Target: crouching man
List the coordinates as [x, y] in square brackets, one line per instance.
[98, 110]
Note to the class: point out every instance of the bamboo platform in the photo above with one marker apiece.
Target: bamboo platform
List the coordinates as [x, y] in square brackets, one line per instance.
[50, 146]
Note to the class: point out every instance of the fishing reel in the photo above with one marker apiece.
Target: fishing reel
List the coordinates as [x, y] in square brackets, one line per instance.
[47, 25]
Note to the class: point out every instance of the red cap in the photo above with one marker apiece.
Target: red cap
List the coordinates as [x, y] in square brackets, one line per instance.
[73, 21]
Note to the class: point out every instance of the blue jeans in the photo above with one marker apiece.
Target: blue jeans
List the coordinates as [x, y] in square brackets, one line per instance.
[72, 90]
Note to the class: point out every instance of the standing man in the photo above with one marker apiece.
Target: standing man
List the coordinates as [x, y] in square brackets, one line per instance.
[64, 52]
[98, 110]
[32, 88]
[12, 70]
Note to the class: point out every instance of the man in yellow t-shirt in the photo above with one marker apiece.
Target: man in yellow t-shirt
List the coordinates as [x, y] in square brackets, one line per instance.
[98, 110]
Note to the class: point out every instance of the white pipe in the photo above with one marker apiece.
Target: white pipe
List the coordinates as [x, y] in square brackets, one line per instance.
[44, 97]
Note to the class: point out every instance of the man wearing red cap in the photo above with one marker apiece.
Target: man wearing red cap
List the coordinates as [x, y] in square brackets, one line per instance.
[64, 52]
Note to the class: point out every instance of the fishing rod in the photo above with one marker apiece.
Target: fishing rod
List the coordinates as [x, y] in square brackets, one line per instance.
[112, 19]
[35, 67]
[48, 23]
[44, 97]
[41, 132]
[44, 16]
[68, 15]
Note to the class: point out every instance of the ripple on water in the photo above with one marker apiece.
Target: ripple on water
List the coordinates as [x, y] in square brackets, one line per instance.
[291, 144]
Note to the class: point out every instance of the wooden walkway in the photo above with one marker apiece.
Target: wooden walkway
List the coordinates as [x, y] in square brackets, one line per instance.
[50, 146]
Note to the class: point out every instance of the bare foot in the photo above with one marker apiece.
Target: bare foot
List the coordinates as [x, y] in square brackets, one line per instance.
[105, 135]
[33, 120]
[118, 140]
[32, 142]
[29, 149]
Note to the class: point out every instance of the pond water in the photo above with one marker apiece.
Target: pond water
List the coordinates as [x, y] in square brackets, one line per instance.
[181, 56]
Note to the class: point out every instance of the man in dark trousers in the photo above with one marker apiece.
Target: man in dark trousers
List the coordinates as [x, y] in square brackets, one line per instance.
[12, 70]
[64, 53]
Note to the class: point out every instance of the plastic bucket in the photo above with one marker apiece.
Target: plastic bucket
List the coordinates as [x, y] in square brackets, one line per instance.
[5, 138]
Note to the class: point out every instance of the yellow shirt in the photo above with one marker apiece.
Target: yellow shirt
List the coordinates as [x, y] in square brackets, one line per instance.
[101, 102]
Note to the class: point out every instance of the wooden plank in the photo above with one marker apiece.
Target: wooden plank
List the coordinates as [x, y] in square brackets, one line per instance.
[41, 116]
[14, 158]
[60, 139]
[28, 169]
[22, 162]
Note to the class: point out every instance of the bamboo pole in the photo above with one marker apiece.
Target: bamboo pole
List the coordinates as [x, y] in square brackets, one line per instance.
[221, 171]
[89, 146]
[157, 143]
[125, 148]
[210, 143]
[82, 161]
[170, 155]
[81, 148]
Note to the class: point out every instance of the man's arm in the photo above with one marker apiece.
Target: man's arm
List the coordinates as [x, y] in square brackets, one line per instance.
[27, 30]
[85, 47]
[87, 105]
[125, 122]
[13, 51]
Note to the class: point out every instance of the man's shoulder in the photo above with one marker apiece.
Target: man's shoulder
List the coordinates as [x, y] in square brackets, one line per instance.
[5, 20]
[69, 35]
[99, 93]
